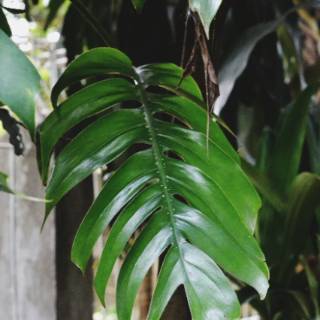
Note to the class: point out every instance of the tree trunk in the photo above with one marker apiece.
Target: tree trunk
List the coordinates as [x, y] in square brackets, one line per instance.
[75, 294]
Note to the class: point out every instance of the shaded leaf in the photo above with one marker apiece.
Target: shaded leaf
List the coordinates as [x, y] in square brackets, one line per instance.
[265, 186]
[237, 60]
[291, 132]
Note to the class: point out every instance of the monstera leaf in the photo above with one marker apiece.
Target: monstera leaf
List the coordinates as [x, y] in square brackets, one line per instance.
[180, 183]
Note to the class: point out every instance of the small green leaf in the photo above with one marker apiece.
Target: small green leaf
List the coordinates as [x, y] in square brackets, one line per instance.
[4, 187]
[19, 82]
[207, 10]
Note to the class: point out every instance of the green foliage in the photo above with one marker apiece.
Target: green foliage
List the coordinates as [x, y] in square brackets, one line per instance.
[175, 182]
[288, 145]
[178, 181]
[20, 82]
[274, 140]
[237, 59]
[4, 187]
[290, 204]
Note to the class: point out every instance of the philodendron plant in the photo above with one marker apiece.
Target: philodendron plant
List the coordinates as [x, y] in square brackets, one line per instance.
[181, 184]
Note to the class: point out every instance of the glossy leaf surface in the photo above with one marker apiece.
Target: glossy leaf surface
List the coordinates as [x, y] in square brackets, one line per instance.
[175, 186]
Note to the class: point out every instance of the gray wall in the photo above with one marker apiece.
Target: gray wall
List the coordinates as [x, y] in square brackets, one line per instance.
[27, 262]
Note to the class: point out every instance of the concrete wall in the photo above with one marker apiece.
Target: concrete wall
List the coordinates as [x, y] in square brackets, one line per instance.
[27, 262]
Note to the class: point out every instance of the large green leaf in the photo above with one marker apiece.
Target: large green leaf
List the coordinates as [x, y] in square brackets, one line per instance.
[176, 186]
[19, 83]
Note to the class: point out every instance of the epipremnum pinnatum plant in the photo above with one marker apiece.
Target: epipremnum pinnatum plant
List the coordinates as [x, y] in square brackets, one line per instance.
[181, 181]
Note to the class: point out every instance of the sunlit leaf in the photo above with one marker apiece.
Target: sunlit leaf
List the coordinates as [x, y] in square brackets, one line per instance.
[19, 82]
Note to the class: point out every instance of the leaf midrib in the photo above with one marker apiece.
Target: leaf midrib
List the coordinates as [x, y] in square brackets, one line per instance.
[161, 171]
